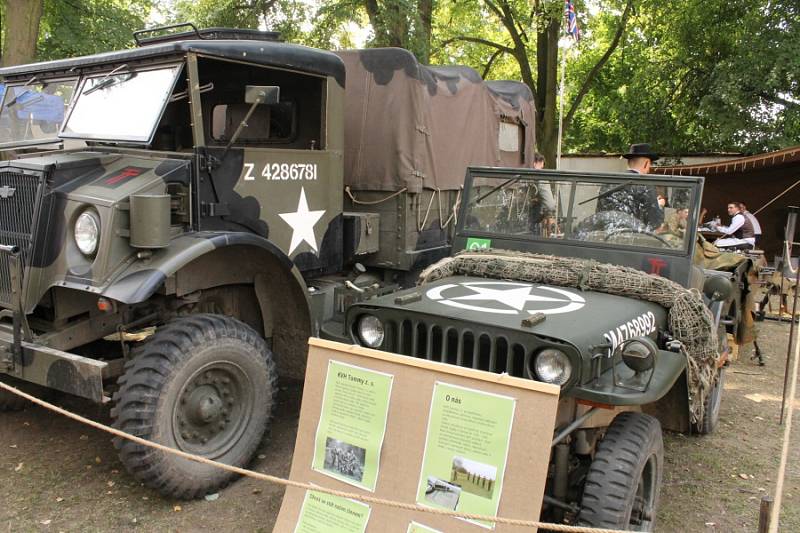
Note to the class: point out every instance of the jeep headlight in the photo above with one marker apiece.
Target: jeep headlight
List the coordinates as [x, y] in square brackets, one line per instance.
[553, 366]
[639, 353]
[87, 232]
[370, 331]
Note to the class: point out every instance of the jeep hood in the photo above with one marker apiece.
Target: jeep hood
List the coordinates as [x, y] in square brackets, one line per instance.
[582, 318]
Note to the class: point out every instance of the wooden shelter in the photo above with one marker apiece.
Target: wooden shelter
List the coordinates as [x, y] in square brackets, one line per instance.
[756, 181]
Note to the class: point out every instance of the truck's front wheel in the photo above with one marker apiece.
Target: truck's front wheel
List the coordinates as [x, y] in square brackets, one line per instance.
[624, 479]
[204, 384]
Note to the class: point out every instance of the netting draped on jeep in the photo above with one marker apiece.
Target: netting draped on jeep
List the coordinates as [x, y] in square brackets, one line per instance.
[690, 321]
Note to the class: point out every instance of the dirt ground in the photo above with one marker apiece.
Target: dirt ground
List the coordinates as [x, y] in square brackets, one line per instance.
[57, 475]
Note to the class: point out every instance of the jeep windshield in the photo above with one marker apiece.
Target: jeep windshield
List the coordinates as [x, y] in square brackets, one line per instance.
[32, 113]
[628, 211]
[122, 105]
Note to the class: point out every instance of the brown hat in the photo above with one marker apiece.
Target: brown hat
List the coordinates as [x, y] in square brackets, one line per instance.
[641, 150]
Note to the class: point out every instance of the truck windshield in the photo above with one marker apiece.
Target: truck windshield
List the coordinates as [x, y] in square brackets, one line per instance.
[32, 113]
[123, 105]
[626, 212]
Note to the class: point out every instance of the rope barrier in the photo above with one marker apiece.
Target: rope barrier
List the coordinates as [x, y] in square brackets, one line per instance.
[305, 486]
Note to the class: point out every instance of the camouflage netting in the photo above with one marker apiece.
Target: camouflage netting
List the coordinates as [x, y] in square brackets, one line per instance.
[690, 321]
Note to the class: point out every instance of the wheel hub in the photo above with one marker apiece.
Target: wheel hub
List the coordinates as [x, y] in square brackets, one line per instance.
[209, 401]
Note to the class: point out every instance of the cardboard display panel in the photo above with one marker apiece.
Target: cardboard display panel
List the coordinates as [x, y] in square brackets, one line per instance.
[452, 438]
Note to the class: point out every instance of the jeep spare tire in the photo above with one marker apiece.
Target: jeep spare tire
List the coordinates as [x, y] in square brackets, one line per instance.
[204, 384]
[624, 479]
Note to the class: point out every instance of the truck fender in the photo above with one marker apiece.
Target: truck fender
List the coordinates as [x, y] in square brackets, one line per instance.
[205, 260]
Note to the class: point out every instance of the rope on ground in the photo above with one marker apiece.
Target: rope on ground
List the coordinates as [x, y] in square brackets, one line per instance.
[787, 430]
[306, 486]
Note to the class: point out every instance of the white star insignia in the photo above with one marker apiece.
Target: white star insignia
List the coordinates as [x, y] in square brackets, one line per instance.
[302, 222]
[515, 298]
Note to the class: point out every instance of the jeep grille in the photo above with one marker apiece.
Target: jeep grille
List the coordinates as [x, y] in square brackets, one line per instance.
[19, 198]
[460, 346]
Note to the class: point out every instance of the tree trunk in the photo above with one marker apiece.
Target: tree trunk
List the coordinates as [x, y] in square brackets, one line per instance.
[547, 90]
[426, 24]
[22, 31]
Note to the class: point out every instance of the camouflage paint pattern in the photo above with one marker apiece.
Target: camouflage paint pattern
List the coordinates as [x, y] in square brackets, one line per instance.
[102, 180]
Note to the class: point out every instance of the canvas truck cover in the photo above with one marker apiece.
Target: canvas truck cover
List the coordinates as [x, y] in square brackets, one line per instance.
[418, 127]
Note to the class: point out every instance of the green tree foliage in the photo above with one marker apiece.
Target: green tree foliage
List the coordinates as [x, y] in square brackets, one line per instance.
[694, 77]
[289, 17]
[79, 27]
[401, 23]
[685, 75]
[528, 34]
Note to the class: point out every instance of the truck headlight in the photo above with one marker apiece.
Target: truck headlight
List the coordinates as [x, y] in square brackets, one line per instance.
[87, 232]
[553, 366]
[370, 331]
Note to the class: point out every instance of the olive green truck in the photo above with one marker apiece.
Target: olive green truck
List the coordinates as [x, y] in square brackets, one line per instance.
[178, 218]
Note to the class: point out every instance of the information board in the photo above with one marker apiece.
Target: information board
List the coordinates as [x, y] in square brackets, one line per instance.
[415, 431]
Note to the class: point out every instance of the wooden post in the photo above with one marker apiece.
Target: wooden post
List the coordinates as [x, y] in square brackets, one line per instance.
[764, 514]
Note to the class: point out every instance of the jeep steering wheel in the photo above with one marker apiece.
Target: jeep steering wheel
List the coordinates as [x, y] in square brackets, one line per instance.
[659, 238]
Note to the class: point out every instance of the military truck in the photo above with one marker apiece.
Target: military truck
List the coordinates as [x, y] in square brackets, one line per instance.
[617, 312]
[204, 203]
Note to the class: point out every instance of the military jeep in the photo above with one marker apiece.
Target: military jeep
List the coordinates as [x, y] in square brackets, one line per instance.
[551, 316]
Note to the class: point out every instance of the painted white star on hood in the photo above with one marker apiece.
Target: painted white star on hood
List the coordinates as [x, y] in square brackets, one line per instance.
[302, 222]
[516, 298]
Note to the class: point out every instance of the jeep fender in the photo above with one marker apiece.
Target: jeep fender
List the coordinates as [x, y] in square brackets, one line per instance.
[206, 260]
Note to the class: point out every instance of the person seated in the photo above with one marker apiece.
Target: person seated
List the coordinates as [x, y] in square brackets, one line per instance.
[675, 222]
[739, 235]
[753, 220]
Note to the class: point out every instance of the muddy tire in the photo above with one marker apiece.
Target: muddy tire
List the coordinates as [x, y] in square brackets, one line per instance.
[10, 401]
[624, 479]
[204, 384]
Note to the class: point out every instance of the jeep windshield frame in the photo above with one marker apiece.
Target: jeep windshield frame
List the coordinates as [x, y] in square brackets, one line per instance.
[579, 225]
[124, 104]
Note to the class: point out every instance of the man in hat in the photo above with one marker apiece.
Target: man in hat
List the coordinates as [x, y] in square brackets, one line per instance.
[639, 201]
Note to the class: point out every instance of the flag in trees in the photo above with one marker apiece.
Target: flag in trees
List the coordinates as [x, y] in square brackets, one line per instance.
[572, 20]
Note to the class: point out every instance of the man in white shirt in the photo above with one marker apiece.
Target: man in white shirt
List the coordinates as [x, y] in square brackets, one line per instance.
[753, 220]
[740, 233]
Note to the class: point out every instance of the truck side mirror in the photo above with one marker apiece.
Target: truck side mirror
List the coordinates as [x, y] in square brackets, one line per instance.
[254, 95]
[262, 94]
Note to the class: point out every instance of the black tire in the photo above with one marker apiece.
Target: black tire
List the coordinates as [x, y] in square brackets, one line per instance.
[8, 400]
[624, 479]
[204, 384]
[711, 406]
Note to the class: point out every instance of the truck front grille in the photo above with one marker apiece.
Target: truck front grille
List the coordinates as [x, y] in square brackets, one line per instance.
[458, 346]
[20, 195]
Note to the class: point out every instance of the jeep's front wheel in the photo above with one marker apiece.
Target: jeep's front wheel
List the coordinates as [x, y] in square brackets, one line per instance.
[204, 384]
[624, 479]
